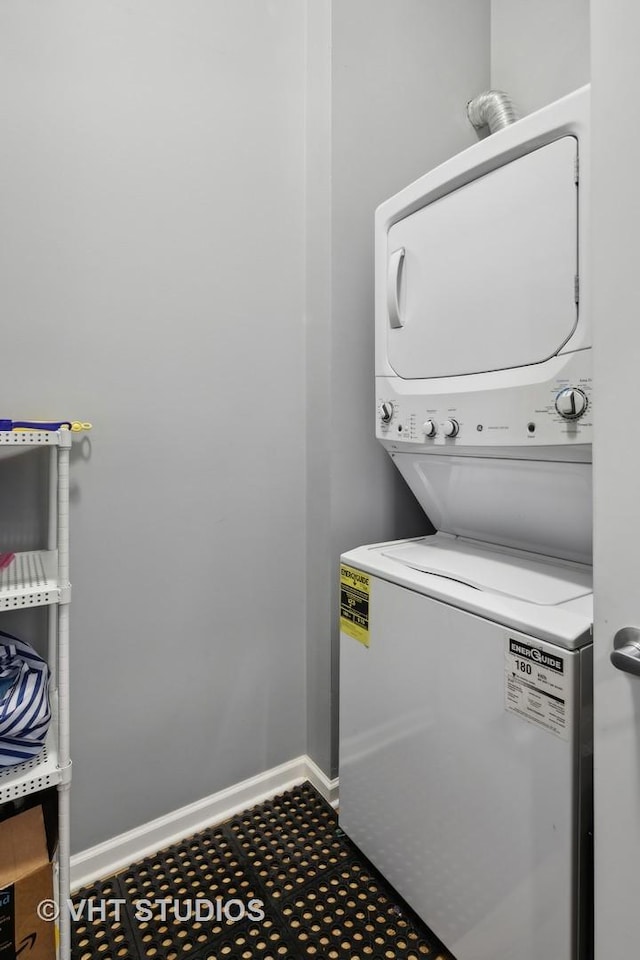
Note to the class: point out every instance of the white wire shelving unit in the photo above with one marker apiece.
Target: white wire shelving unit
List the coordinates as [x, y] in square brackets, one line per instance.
[41, 578]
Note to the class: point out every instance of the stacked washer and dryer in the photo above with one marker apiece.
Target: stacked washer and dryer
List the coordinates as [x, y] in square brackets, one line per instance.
[466, 657]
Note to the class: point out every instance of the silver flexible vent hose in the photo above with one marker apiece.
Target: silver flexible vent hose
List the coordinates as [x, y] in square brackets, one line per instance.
[493, 109]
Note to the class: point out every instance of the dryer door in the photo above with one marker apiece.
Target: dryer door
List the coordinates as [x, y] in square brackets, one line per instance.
[485, 277]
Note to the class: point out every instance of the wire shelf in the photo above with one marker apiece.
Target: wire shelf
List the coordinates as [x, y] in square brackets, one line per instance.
[13, 442]
[36, 774]
[30, 580]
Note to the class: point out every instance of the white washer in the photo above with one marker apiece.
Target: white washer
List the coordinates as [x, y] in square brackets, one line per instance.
[465, 709]
[465, 739]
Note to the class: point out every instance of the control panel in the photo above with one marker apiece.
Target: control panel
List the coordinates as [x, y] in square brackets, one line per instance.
[555, 409]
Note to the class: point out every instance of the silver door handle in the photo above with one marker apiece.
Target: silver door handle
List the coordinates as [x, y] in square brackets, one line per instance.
[394, 272]
[626, 650]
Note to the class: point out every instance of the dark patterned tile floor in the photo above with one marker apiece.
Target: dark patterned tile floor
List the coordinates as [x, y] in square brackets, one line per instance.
[320, 899]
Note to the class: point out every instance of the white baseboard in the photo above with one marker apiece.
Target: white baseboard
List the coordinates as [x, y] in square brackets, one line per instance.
[108, 857]
[327, 788]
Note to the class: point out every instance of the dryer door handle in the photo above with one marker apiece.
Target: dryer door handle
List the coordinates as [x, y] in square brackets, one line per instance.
[626, 653]
[394, 273]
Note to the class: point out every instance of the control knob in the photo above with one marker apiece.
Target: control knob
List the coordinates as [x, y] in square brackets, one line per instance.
[451, 428]
[386, 411]
[571, 403]
[429, 428]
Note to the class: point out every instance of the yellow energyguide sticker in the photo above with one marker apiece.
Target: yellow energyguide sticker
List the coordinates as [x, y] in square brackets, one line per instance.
[354, 604]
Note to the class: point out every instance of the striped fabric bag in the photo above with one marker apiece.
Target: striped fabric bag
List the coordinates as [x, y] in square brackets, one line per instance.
[25, 712]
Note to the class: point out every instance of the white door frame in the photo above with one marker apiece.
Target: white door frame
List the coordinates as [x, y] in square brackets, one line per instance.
[615, 267]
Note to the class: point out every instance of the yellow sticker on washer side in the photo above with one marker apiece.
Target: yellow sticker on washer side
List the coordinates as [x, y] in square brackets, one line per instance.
[354, 604]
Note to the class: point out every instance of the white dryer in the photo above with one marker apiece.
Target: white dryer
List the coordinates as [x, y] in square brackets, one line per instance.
[465, 691]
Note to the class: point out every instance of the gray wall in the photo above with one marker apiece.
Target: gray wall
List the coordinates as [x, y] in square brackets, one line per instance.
[401, 75]
[152, 279]
[539, 50]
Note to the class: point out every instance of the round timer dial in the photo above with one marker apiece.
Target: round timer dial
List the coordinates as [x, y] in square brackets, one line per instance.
[571, 403]
[386, 411]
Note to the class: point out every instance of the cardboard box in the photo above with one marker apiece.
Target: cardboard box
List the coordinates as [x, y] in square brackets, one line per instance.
[26, 878]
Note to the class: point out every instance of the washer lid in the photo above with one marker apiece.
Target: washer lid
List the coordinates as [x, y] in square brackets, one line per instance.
[510, 573]
[534, 506]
